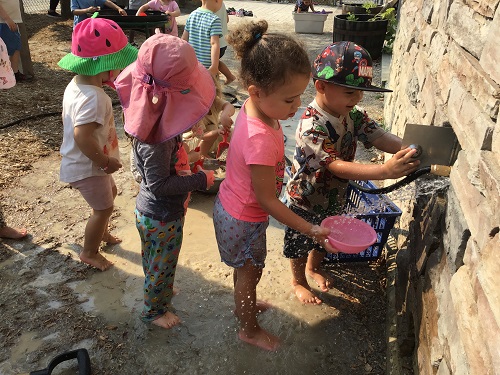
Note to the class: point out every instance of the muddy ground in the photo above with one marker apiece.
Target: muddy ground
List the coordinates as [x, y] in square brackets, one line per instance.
[50, 302]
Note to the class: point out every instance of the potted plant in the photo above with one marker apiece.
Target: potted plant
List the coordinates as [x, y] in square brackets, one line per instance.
[368, 7]
[372, 31]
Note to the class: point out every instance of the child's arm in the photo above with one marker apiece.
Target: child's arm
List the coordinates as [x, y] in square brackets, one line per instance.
[264, 185]
[226, 113]
[84, 138]
[185, 35]
[175, 13]
[12, 25]
[312, 7]
[112, 5]
[142, 9]
[214, 54]
[401, 164]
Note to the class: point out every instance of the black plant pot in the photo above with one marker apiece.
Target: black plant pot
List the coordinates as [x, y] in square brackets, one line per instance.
[368, 34]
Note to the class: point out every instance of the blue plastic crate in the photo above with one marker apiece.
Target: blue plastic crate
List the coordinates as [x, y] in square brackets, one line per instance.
[381, 213]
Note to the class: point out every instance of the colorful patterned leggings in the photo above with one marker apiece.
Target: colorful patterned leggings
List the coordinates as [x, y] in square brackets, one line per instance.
[161, 243]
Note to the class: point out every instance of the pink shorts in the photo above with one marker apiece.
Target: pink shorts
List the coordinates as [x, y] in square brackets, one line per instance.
[97, 191]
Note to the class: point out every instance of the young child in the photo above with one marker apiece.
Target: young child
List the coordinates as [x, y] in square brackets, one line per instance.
[326, 140]
[99, 50]
[255, 167]
[81, 8]
[169, 7]
[10, 16]
[206, 133]
[303, 6]
[224, 18]
[203, 30]
[163, 94]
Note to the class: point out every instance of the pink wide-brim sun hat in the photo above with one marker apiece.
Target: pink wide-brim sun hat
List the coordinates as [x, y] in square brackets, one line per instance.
[165, 91]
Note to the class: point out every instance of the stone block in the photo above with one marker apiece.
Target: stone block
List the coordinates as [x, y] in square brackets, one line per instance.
[475, 207]
[444, 77]
[471, 334]
[438, 49]
[472, 126]
[468, 28]
[475, 79]
[491, 55]
[427, 100]
[489, 177]
[483, 7]
[456, 235]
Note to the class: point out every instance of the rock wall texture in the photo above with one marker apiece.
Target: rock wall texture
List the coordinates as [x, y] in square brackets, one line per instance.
[445, 69]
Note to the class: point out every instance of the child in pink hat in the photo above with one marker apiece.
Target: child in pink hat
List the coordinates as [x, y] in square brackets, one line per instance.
[163, 94]
[89, 150]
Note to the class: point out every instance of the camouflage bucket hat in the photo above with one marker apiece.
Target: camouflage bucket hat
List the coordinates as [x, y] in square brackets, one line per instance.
[346, 64]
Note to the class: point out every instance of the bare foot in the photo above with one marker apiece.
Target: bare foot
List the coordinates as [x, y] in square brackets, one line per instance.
[97, 260]
[305, 295]
[230, 79]
[261, 339]
[13, 233]
[323, 281]
[110, 239]
[167, 320]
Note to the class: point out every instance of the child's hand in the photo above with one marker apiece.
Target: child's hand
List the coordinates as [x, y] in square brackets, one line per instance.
[92, 9]
[113, 165]
[12, 25]
[122, 12]
[401, 164]
[209, 174]
[226, 123]
[320, 235]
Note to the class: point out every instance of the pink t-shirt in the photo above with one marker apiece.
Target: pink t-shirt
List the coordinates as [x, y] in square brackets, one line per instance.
[170, 7]
[252, 143]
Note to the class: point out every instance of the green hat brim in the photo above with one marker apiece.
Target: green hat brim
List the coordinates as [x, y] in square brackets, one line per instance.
[91, 66]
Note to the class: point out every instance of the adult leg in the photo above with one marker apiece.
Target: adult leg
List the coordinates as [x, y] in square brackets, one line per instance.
[245, 298]
[52, 8]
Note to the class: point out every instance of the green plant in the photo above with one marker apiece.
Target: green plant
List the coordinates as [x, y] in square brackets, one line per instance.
[390, 15]
[369, 5]
[351, 17]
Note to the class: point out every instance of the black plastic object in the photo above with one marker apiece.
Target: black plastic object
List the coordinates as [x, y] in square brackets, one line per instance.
[405, 181]
[151, 16]
[81, 355]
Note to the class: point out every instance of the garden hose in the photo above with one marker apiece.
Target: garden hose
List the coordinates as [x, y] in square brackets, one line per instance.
[438, 170]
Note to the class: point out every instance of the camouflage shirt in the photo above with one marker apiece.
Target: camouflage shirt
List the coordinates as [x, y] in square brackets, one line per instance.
[320, 139]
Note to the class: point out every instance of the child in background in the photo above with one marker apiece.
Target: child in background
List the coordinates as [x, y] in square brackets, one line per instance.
[224, 18]
[8, 80]
[163, 94]
[169, 7]
[255, 167]
[326, 140]
[81, 8]
[205, 134]
[203, 30]
[134, 5]
[10, 16]
[89, 149]
[302, 6]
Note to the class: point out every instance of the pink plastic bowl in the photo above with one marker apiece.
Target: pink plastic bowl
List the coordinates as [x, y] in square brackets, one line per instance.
[348, 234]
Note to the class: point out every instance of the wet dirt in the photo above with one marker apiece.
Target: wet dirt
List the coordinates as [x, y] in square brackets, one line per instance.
[51, 302]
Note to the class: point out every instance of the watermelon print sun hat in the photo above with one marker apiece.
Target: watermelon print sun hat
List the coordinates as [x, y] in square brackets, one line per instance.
[98, 45]
[166, 91]
[346, 64]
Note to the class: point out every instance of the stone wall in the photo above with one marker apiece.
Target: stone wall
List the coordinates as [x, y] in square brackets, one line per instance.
[446, 69]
